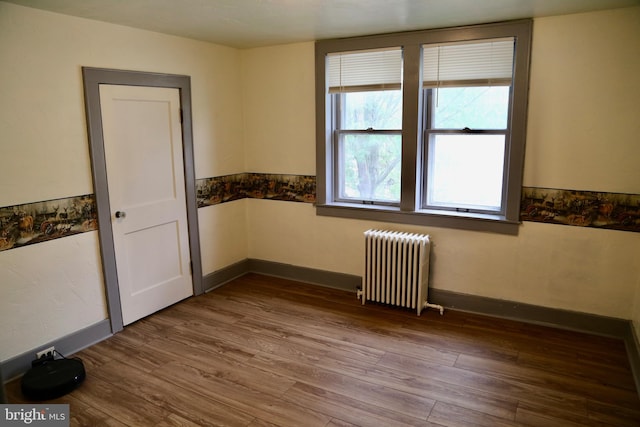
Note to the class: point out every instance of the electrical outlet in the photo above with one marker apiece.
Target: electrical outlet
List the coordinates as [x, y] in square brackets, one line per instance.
[47, 352]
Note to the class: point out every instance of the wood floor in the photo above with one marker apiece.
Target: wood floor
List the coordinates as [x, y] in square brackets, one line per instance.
[262, 351]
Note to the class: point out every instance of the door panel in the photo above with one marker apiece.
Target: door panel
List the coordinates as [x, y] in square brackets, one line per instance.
[145, 175]
[164, 239]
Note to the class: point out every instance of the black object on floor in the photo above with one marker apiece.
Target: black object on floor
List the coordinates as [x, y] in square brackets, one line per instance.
[52, 378]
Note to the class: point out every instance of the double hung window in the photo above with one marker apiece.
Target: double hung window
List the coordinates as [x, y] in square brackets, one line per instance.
[365, 87]
[466, 113]
[424, 128]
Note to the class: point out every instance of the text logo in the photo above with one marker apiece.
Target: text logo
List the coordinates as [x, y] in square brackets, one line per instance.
[34, 415]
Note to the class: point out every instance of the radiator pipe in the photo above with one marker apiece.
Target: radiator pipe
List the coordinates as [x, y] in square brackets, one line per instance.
[436, 306]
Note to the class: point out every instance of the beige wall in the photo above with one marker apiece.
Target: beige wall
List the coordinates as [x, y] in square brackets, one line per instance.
[583, 122]
[253, 111]
[582, 135]
[278, 86]
[52, 289]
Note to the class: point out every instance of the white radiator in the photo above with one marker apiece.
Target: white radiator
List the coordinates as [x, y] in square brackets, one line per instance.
[396, 269]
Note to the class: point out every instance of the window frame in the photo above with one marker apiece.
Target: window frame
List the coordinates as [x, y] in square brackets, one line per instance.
[410, 210]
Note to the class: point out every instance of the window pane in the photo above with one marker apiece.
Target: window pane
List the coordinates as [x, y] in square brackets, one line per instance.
[465, 171]
[370, 167]
[483, 107]
[376, 110]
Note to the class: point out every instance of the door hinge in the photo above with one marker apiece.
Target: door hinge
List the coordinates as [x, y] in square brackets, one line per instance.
[181, 116]
[191, 267]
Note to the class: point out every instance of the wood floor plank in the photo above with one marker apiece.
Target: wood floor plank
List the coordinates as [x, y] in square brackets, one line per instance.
[339, 423]
[323, 344]
[195, 309]
[230, 369]
[499, 405]
[537, 418]
[141, 356]
[348, 408]
[184, 402]
[452, 415]
[261, 342]
[580, 369]
[93, 417]
[353, 330]
[589, 389]
[174, 420]
[243, 399]
[550, 342]
[386, 397]
[119, 403]
[201, 347]
[264, 351]
[459, 341]
[486, 383]
[613, 415]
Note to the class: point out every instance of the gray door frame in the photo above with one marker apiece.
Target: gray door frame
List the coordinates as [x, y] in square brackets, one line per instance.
[93, 78]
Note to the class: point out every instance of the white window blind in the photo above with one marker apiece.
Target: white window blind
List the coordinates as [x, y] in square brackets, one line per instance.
[481, 63]
[365, 70]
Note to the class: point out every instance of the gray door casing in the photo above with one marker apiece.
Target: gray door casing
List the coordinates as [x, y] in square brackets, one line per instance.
[93, 78]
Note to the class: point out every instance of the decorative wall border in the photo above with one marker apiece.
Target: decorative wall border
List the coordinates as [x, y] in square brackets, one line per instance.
[37, 222]
[292, 188]
[30, 223]
[613, 211]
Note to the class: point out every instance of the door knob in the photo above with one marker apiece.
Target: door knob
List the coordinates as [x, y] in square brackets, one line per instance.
[120, 214]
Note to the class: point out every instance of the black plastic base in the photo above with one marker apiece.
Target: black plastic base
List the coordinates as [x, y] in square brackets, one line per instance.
[52, 379]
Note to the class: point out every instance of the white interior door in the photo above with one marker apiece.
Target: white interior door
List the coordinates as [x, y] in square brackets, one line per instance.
[143, 154]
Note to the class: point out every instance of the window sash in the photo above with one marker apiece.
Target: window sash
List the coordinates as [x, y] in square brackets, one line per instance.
[344, 106]
[339, 165]
[429, 170]
[431, 98]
